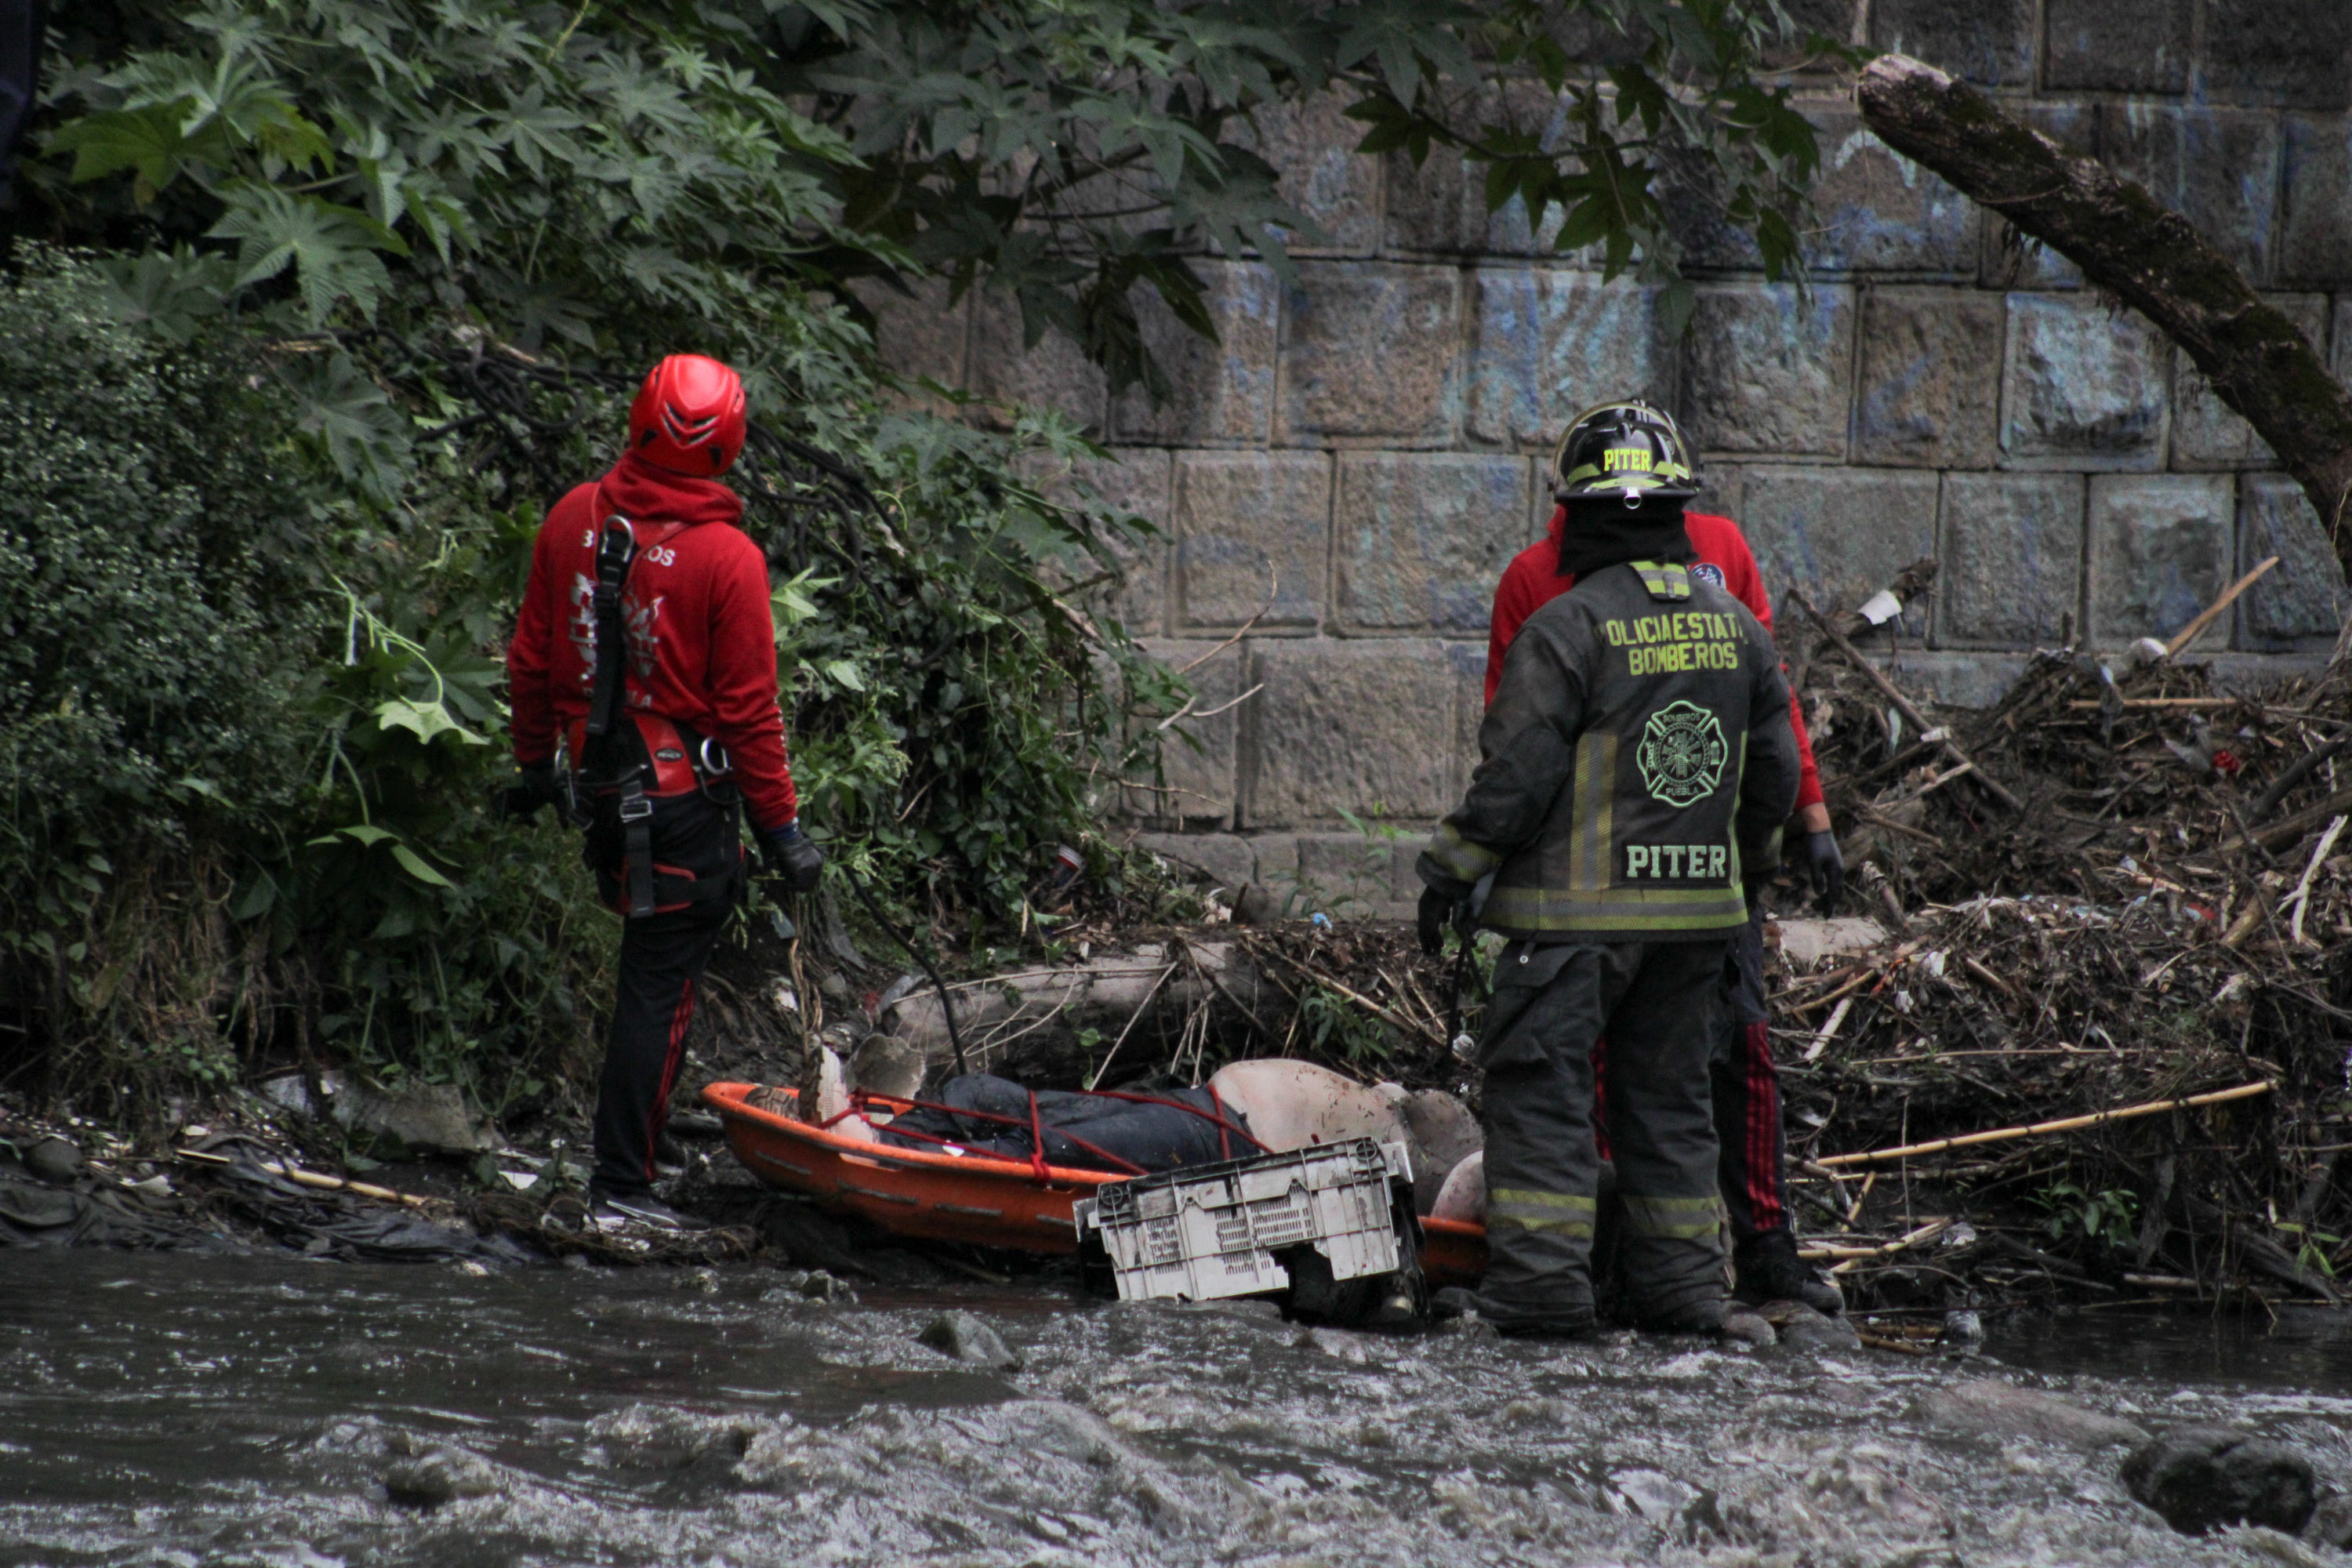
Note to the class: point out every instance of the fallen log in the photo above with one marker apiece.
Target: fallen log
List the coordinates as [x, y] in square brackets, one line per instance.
[2126, 241]
[1055, 1024]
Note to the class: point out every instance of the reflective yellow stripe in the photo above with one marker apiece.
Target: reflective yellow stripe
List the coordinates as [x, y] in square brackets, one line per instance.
[1614, 909]
[1677, 1220]
[1669, 582]
[1458, 855]
[1524, 1208]
[1590, 843]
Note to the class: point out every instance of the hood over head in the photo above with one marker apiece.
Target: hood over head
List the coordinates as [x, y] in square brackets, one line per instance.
[643, 491]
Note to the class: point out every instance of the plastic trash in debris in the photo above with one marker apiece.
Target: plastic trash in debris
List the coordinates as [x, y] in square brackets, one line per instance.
[1880, 607]
[1208, 1232]
[1069, 865]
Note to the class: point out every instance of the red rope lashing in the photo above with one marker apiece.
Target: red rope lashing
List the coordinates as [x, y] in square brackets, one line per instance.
[1224, 1142]
[1034, 1124]
[1217, 1117]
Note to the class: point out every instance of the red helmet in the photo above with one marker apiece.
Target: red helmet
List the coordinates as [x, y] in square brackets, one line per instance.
[688, 417]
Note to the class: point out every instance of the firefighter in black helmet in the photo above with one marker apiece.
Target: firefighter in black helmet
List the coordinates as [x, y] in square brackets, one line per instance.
[1638, 765]
[1746, 1080]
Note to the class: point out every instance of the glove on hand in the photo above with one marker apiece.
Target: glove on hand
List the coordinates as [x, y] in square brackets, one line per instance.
[1437, 913]
[794, 856]
[1827, 867]
[534, 786]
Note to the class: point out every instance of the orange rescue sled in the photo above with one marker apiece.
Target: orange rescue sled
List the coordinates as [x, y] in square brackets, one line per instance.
[973, 1198]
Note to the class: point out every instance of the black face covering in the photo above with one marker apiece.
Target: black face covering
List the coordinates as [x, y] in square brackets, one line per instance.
[1600, 533]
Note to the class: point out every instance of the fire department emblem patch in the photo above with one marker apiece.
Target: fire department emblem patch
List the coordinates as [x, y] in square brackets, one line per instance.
[1682, 753]
[1708, 572]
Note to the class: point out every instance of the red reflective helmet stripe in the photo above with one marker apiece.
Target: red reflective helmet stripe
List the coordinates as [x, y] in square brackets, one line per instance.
[688, 417]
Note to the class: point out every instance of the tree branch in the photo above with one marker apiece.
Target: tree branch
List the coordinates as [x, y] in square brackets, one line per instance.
[2128, 243]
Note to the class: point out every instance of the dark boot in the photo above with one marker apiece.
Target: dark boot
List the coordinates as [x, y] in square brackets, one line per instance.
[1703, 1316]
[1769, 1270]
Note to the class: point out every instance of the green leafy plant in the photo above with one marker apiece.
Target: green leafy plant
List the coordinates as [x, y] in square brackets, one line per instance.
[1069, 154]
[2104, 1218]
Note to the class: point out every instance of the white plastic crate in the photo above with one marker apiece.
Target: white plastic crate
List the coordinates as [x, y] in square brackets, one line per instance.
[1211, 1231]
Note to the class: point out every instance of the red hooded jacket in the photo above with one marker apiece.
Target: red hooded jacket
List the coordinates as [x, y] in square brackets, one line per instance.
[702, 638]
[1533, 580]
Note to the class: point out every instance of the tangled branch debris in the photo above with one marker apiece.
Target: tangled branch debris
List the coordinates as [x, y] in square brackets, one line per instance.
[2163, 917]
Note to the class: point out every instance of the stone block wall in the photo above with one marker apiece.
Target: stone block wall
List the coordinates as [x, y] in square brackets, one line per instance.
[1347, 471]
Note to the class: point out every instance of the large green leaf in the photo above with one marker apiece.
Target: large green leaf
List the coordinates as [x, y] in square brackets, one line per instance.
[334, 250]
[152, 141]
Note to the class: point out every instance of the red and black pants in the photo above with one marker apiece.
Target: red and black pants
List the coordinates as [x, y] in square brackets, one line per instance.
[1745, 1090]
[695, 837]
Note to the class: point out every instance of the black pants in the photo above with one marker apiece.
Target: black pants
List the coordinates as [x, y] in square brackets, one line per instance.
[662, 955]
[1658, 1003]
[1745, 1090]
[661, 958]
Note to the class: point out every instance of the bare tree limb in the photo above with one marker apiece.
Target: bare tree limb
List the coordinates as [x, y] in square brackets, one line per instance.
[2128, 243]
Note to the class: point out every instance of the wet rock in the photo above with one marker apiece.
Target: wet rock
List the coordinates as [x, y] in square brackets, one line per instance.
[1442, 1133]
[2000, 1409]
[884, 1064]
[430, 1116]
[965, 1338]
[811, 1285]
[1963, 1331]
[2331, 1521]
[1743, 1328]
[289, 1092]
[2201, 1478]
[822, 1286]
[700, 1281]
[440, 1474]
[54, 1159]
[1804, 1329]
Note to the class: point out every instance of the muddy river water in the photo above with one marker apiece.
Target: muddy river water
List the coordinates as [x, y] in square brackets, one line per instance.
[157, 1409]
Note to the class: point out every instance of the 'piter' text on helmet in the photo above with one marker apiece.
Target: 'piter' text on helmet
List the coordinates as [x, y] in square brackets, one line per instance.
[1624, 451]
[688, 417]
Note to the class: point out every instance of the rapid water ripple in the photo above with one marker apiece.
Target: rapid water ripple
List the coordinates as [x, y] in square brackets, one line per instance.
[161, 1410]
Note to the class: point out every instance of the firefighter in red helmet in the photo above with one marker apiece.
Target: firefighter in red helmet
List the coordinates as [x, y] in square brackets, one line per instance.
[643, 675]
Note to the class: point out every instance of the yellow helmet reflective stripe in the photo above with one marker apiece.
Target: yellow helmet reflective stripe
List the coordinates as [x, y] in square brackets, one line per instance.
[1627, 447]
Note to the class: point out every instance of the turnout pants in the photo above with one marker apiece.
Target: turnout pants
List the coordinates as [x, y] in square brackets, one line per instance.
[1657, 1003]
[662, 957]
[1745, 1089]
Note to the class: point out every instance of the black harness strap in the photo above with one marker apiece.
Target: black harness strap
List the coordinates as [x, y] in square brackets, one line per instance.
[615, 759]
[615, 551]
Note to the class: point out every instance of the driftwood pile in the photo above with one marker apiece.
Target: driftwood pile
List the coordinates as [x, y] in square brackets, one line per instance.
[2119, 887]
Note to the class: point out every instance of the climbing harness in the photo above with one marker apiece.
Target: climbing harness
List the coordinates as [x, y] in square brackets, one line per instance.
[627, 761]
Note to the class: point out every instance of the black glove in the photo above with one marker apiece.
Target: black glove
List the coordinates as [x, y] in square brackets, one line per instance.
[534, 786]
[794, 856]
[1437, 908]
[1827, 867]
